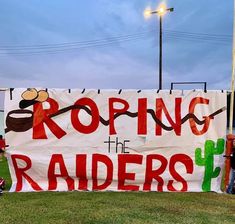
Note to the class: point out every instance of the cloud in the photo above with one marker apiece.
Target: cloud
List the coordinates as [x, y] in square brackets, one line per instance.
[120, 65]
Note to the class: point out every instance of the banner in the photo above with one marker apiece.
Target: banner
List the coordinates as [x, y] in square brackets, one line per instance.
[65, 140]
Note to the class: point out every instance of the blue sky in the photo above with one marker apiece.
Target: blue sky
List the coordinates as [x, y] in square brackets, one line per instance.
[129, 64]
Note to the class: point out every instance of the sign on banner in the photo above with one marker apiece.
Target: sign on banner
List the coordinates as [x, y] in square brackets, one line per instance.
[65, 140]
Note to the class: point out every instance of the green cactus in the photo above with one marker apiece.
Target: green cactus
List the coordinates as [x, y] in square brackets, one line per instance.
[208, 161]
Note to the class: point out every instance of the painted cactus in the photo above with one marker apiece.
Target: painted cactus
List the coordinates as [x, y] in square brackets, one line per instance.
[208, 161]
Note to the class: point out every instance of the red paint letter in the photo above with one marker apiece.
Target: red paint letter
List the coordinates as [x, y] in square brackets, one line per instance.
[142, 116]
[93, 112]
[114, 112]
[41, 116]
[123, 159]
[96, 158]
[154, 174]
[81, 171]
[52, 177]
[160, 106]
[20, 172]
[187, 161]
[193, 103]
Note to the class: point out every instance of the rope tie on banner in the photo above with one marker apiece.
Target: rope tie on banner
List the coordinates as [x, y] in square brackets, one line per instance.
[11, 90]
[205, 90]
[120, 91]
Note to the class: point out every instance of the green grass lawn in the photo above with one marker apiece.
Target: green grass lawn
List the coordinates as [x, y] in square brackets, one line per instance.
[4, 172]
[115, 207]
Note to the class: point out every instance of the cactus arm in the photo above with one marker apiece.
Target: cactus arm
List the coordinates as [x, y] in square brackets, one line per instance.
[216, 172]
[198, 157]
[220, 147]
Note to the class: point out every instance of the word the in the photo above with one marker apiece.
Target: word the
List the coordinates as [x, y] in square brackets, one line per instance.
[117, 144]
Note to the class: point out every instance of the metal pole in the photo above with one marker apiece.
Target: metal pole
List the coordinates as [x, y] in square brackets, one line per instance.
[160, 54]
[232, 78]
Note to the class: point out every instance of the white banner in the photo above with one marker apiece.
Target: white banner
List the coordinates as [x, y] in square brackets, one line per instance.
[115, 140]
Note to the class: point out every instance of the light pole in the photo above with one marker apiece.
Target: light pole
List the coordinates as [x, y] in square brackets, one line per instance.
[161, 12]
[232, 78]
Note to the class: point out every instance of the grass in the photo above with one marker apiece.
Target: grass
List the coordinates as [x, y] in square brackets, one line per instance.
[4, 172]
[115, 207]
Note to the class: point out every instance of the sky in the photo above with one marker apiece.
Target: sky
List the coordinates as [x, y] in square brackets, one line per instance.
[105, 44]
